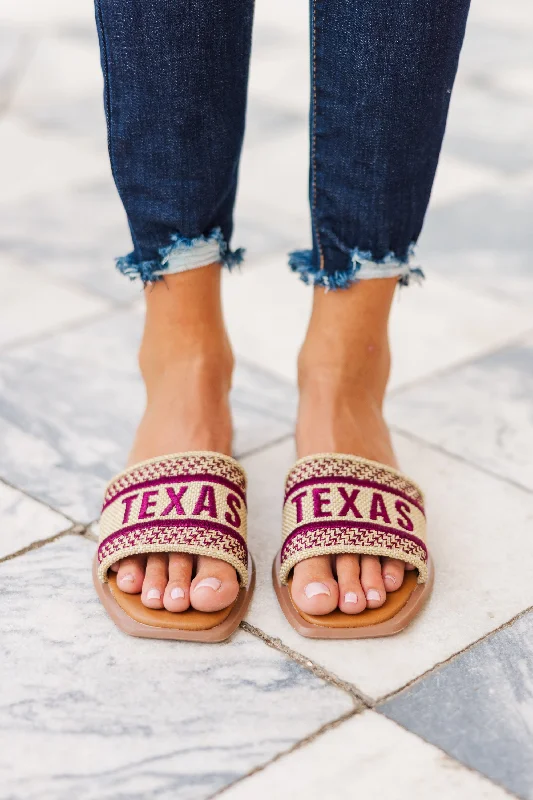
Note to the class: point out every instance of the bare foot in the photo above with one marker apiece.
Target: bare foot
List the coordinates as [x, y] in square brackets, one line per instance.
[186, 363]
[343, 372]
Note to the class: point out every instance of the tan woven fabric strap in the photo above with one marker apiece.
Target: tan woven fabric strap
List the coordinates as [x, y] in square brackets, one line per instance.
[184, 503]
[344, 504]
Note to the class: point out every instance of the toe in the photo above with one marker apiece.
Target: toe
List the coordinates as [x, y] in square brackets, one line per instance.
[314, 589]
[352, 599]
[372, 581]
[176, 597]
[215, 585]
[130, 574]
[392, 570]
[155, 580]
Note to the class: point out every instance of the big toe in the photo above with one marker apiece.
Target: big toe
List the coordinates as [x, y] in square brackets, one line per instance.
[314, 589]
[215, 585]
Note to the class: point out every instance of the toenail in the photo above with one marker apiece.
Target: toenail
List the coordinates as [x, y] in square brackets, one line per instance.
[177, 593]
[209, 583]
[153, 594]
[390, 578]
[350, 597]
[316, 588]
[373, 594]
[127, 578]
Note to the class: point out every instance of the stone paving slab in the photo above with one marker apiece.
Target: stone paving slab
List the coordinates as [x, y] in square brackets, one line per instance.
[481, 411]
[479, 707]
[366, 757]
[87, 711]
[69, 406]
[25, 521]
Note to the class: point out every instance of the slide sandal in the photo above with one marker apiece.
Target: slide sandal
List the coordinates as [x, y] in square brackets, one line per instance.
[182, 503]
[336, 503]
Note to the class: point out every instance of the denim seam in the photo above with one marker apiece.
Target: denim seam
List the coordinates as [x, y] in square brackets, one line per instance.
[313, 140]
[108, 104]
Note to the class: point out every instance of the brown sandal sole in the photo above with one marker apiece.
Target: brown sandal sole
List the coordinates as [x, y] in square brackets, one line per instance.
[132, 617]
[399, 609]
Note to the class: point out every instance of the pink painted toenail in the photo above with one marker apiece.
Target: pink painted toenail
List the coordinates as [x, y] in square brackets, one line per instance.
[209, 583]
[153, 594]
[177, 593]
[390, 578]
[373, 594]
[315, 588]
[127, 578]
[350, 597]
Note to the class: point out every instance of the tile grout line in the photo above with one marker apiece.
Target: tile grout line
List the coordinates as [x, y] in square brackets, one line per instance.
[507, 624]
[308, 664]
[76, 530]
[455, 760]
[73, 325]
[297, 746]
[461, 459]
[35, 499]
[460, 364]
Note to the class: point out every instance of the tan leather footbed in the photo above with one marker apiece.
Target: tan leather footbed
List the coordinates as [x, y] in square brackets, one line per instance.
[189, 620]
[370, 616]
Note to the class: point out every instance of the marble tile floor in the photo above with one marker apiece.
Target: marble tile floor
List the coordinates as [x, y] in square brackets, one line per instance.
[445, 709]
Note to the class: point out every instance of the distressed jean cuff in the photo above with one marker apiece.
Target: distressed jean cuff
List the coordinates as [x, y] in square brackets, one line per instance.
[360, 266]
[180, 255]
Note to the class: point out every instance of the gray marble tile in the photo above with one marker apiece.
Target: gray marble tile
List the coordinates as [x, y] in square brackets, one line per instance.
[482, 411]
[25, 521]
[479, 708]
[484, 241]
[87, 711]
[70, 403]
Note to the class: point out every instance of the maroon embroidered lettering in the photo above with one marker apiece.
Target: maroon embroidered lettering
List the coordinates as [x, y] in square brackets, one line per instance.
[206, 502]
[319, 502]
[349, 503]
[232, 516]
[298, 500]
[404, 520]
[175, 501]
[127, 506]
[378, 509]
[146, 503]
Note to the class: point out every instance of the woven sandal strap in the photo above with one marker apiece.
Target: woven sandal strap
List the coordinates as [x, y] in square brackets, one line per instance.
[345, 504]
[185, 503]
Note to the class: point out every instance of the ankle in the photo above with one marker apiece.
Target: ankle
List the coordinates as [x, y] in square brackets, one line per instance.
[360, 371]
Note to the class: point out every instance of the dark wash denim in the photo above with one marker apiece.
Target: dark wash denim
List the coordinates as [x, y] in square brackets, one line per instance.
[176, 74]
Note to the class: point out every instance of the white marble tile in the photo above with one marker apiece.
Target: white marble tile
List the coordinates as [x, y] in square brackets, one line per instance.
[31, 163]
[368, 757]
[490, 420]
[108, 715]
[476, 527]
[432, 327]
[32, 304]
[515, 15]
[24, 521]
[46, 14]
[69, 406]
[74, 235]
[67, 101]
[457, 178]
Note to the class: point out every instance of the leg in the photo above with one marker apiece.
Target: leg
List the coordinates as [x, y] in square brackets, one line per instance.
[175, 94]
[378, 112]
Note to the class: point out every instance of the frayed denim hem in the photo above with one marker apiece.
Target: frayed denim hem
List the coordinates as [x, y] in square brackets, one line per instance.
[180, 255]
[361, 267]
